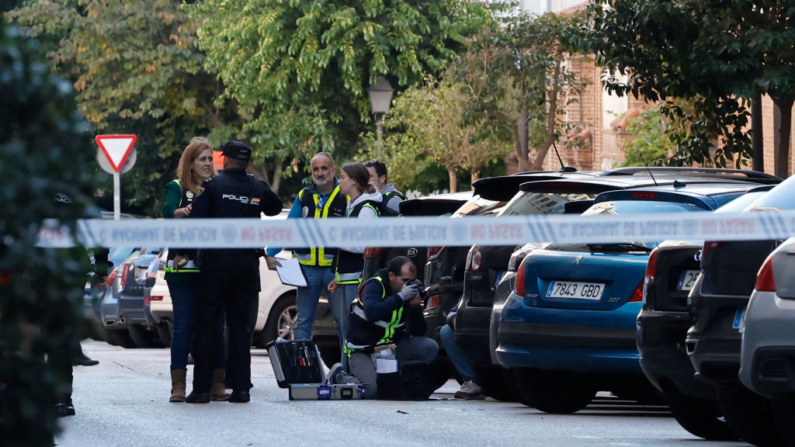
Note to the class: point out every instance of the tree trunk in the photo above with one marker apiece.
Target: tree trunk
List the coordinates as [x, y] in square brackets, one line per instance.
[782, 149]
[523, 134]
[277, 177]
[517, 138]
[453, 180]
[757, 142]
[474, 176]
[552, 120]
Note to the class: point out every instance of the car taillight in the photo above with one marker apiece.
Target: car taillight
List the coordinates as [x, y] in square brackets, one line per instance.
[151, 272]
[124, 274]
[518, 287]
[433, 301]
[651, 268]
[374, 252]
[112, 276]
[637, 295]
[433, 251]
[644, 195]
[710, 246]
[764, 279]
[157, 298]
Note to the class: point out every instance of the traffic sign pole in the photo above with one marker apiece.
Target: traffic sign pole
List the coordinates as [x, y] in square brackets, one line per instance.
[116, 196]
[117, 149]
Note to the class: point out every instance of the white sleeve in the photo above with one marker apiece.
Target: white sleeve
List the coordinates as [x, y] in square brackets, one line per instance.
[365, 213]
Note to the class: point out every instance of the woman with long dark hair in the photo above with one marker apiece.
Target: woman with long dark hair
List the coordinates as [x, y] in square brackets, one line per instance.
[195, 166]
[349, 262]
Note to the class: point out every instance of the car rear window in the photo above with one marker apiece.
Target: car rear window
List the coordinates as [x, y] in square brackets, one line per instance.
[740, 203]
[782, 197]
[639, 207]
[529, 203]
[477, 206]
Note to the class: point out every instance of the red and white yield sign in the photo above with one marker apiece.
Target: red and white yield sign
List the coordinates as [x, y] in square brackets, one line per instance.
[116, 148]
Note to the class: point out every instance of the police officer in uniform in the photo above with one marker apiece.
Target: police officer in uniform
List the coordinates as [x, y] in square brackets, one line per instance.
[230, 277]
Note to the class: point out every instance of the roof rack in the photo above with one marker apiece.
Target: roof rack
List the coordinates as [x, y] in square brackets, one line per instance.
[738, 174]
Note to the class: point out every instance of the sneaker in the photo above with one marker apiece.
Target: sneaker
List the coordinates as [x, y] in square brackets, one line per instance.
[334, 374]
[470, 390]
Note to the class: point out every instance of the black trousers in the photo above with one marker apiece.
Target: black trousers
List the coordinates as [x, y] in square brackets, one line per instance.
[234, 292]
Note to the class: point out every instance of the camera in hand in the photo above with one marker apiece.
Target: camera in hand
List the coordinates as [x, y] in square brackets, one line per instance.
[420, 288]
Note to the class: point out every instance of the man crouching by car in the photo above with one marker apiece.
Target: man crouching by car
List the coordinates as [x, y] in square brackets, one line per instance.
[387, 324]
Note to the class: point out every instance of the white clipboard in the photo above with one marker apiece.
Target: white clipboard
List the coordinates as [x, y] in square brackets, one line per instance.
[290, 273]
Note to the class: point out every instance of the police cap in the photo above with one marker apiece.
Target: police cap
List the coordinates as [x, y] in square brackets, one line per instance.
[237, 150]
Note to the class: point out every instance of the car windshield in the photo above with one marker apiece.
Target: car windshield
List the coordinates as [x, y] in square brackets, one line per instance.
[777, 199]
[528, 203]
[476, 206]
[638, 207]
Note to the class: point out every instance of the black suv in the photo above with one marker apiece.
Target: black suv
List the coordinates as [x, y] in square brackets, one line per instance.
[718, 301]
[662, 326]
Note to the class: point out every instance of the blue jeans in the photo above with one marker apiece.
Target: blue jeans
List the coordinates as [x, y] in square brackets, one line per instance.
[183, 298]
[462, 364]
[306, 298]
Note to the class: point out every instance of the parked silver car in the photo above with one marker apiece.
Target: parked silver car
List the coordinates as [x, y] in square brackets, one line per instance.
[767, 363]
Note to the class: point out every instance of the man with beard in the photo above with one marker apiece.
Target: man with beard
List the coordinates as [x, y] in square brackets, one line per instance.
[320, 200]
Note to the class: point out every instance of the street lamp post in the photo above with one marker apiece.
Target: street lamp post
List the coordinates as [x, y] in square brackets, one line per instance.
[380, 99]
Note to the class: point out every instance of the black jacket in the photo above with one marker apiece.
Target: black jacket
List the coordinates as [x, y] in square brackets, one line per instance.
[233, 194]
[379, 303]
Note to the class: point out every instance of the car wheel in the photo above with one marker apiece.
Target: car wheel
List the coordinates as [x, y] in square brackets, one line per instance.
[281, 321]
[749, 415]
[140, 336]
[556, 392]
[498, 383]
[784, 414]
[120, 337]
[164, 332]
[699, 417]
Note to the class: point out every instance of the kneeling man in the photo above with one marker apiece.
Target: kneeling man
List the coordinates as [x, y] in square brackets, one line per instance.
[388, 312]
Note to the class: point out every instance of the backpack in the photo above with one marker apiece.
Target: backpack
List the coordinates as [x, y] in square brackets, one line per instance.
[414, 381]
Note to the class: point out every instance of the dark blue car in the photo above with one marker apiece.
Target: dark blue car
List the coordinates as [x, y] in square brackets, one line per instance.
[568, 329]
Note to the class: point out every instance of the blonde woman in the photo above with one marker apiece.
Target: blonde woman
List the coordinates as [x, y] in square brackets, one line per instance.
[195, 166]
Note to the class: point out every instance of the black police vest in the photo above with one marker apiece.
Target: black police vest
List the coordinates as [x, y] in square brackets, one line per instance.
[350, 265]
[312, 208]
[389, 195]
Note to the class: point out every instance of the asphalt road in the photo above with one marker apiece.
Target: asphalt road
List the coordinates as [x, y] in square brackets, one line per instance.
[123, 401]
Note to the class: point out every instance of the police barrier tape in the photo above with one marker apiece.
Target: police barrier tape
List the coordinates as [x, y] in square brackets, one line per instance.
[426, 231]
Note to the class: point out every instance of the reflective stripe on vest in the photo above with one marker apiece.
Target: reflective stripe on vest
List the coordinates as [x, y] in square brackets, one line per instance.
[317, 256]
[388, 326]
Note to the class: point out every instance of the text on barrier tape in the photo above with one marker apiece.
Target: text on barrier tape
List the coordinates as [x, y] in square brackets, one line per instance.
[426, 231]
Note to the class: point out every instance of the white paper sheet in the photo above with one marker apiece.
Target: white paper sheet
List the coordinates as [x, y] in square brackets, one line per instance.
[290, 273]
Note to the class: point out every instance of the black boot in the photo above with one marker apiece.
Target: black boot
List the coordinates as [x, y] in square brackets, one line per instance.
[83, 360]
[198, 397]
[240, 397]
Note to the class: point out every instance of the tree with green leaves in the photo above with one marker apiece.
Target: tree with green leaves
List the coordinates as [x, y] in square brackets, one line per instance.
[300, 68]
[516, 75]
[433, 123]
[42, 138]
[136, 69]
[716, 53]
